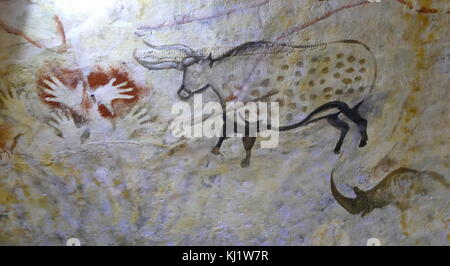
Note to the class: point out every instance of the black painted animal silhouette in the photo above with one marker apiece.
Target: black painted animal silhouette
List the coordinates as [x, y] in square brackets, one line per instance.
[396, 189]
[314, 79]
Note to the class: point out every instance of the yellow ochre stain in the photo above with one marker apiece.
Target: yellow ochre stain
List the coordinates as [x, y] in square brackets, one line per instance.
[6, 196]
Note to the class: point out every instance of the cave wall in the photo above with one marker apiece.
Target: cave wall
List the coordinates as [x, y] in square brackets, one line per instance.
[87, 149]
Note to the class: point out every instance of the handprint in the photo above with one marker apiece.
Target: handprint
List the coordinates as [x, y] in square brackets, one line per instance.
[72, 135]
[104, 95]
[5, 154]
[9, 136]
[132, 121]
[13, 106]
[60, 93]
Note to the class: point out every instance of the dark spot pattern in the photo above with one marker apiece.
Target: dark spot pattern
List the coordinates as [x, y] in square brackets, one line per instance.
[265, 83]
[327, 89]
[346, 81]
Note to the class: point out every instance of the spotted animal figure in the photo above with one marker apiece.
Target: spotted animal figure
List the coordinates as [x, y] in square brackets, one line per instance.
[397, 189]
[307, 80]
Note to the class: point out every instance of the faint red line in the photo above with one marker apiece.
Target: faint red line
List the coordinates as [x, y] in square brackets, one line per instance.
[60, 28]
[408, 4]
[299, 28]
[314, 21]
[426, 10]
[422, 10]
[186, 19]
[18, 32]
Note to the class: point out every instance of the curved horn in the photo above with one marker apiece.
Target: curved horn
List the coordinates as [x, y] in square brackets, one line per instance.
[158, 65]
[346, 203]
[180, 47]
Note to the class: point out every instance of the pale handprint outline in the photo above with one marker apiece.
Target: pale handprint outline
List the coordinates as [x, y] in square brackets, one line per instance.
[6, 97]
[65, 124]
[11, 145]
[72, 98]
[12, 105]
[60, 93]
[104, 95]
[136, 119]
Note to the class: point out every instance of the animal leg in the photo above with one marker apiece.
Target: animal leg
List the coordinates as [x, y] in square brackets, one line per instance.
[216, 149]
[362, 125]
[248, 145]
[363, 131]
[342, 126]
[354, 115]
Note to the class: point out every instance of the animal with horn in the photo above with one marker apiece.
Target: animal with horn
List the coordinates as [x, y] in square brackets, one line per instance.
[397, 189]
[322, 79]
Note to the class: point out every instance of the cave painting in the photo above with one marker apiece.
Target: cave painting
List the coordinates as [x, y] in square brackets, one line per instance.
[397, 189]
[108, 90]
[303, 79]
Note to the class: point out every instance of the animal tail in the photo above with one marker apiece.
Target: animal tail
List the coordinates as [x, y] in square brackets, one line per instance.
[325, 107]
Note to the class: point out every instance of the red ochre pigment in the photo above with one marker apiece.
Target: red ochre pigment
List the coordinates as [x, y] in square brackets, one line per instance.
[69, 77]
[95, 79]
[101, 77]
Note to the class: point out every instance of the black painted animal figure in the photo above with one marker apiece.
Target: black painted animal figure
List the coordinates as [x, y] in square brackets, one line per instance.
[398, 189]
[322, 79]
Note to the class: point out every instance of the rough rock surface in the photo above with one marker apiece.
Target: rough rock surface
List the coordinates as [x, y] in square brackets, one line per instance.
[97, 161]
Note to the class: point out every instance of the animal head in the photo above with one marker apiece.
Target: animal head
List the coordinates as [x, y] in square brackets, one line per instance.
[194, 66]
[359, 205]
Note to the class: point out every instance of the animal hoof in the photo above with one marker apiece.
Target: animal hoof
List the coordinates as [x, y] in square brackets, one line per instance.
[362, 143]
[215, 151]
[245, 163]
[337, 151]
